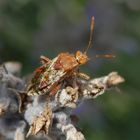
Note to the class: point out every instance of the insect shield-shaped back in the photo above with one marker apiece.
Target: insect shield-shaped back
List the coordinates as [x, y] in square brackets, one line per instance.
[66, 62]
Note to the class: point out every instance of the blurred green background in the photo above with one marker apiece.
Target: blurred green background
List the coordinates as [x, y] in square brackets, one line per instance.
[30, 28]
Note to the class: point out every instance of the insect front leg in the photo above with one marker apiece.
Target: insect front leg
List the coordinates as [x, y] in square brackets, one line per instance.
[82, 75]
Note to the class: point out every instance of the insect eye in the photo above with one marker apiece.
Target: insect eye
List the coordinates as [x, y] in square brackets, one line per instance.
[78, 55]
[81, 58]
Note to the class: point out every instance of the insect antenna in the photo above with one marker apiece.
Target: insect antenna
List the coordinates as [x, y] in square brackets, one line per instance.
[91, 34]
[108, 56]
[105, 56]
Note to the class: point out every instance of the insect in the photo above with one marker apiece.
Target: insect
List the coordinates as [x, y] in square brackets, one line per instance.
[48, 77]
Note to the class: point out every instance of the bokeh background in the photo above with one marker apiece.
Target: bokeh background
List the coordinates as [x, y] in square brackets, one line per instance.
[30, 28]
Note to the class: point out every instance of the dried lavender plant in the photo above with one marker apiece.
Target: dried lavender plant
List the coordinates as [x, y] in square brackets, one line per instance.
[42, 118]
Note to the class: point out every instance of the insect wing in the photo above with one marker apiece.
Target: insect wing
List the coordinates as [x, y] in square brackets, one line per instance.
[32, 86]
[50, 78]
